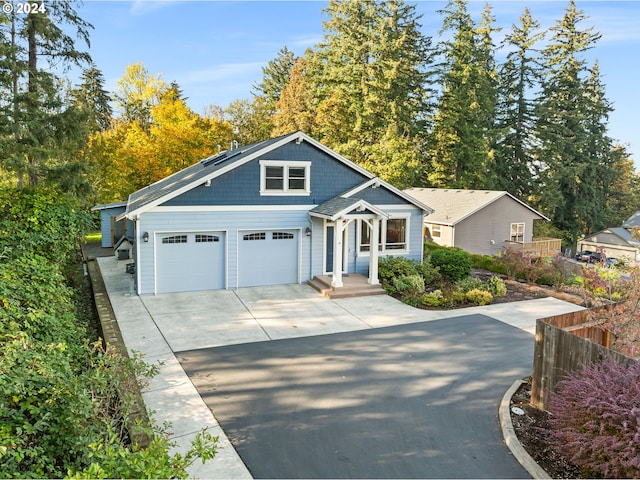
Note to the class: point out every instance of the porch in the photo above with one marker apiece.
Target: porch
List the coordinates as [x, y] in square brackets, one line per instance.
[539, 247]
[353, 285]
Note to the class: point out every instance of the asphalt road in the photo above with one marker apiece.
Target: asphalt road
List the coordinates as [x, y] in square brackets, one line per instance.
[412, 401]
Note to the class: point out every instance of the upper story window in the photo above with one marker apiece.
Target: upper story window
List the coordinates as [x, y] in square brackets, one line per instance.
[284, 177]
[436, 231]
[517, 232]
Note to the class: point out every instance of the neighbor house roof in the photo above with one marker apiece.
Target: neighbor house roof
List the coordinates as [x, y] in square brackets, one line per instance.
[217, 165]
[451, 206]
[632, 221]
[619, 232]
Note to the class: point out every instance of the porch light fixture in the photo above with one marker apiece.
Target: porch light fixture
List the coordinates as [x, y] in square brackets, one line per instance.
[308, 232]
[145, 237]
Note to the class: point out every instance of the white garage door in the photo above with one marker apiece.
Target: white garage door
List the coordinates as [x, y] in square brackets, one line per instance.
[187, 262]
[267, 257]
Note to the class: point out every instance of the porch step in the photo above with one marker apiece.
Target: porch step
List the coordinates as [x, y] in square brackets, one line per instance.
[354, 285]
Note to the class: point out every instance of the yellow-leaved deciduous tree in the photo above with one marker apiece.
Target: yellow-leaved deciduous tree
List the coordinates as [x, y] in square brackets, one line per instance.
[158, 136]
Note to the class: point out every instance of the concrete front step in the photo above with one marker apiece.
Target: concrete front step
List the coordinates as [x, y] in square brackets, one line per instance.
[354, 285]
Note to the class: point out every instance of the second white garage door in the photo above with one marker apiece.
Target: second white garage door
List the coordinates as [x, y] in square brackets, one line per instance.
[267, 257]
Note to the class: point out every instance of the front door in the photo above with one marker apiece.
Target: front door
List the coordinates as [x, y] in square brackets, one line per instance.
[328, 242]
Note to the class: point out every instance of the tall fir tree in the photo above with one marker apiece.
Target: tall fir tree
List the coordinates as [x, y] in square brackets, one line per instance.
[520, 77]
[565, 168]
[462, 139]
[370, 72]
[34, 102]
[275, 77]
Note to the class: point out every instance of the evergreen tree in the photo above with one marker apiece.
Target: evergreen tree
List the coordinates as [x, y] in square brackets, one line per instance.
[519, 76]
[463, 135]
[34, 106]
[93, 100]
[565, 167]
[369, 76]
[275, 78]
[293, 110]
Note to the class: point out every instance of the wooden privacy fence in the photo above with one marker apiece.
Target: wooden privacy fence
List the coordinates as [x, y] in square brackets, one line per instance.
[563, 344]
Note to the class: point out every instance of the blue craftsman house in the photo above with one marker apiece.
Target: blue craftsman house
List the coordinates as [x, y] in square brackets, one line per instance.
[274, 212]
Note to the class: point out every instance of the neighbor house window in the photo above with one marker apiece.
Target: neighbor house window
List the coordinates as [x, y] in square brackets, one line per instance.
[436, 231]
[517, 232]
[284, 178]
[392, 235]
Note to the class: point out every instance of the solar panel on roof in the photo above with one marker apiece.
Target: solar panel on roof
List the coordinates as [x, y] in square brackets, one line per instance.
[213, 158]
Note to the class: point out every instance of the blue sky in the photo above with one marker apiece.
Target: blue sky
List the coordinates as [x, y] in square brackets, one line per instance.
[215, 49]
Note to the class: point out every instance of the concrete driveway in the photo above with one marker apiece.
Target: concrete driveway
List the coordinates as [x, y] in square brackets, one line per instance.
[295, 362]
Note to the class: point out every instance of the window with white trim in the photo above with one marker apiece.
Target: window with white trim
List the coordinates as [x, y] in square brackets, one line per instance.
[436, 231]
[517, 232]
[392, 235]
[278, 177]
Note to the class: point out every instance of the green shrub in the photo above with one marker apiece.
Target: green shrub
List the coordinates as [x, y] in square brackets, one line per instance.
[496, 286]
[479, 297]
[430, 274]
[453, 263]
[390, 268]
[458, 297]
[433, 299]
[469, 283]
[409, 285]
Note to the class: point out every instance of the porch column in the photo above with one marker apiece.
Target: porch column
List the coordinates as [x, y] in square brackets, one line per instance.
[336, 280]
[373, 251]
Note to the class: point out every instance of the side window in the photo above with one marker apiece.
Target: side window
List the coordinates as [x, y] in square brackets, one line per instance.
[517, 232]
[436, 231]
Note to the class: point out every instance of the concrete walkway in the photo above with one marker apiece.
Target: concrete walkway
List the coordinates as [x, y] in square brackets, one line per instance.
[158, 326]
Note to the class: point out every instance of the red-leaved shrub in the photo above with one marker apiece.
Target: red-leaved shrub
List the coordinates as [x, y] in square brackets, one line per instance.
[595, 419]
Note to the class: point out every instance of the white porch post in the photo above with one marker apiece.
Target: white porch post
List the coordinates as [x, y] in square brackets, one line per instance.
[336, 280]
[373, 252]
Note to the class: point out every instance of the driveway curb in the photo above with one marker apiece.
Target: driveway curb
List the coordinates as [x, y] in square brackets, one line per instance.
[510, 438]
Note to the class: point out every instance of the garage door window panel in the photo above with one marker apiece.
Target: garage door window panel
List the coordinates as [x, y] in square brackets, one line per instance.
[207, 238]
[255, 236]
[174, 239]
[282, 236]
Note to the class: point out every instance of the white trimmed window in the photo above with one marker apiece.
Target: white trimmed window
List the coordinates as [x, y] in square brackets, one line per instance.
[436, 231]
[284, 178]
[517, 232]
[393, 236]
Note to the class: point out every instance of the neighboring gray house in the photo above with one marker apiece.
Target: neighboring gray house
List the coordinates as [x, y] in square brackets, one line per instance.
[480, 221]
[112, 228]
[275, 212]
[616, 242]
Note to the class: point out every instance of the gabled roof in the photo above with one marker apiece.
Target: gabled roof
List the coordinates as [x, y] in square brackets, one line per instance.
[107, 206]
[339, 206]
[454, 205]
[217, 165]
[622, 233]
[632, 221]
